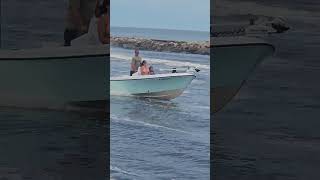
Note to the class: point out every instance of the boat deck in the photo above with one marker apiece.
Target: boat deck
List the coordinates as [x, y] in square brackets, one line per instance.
[138, 77]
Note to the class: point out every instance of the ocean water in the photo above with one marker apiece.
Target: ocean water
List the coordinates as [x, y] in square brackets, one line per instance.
[152, 139]
[31, 24]
[271, 128]
[163, 34]
[39, 144]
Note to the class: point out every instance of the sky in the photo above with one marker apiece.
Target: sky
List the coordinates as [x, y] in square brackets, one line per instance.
[164, 14]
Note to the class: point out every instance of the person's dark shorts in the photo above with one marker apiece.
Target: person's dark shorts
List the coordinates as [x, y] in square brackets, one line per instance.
[69, 35]
[131, 72]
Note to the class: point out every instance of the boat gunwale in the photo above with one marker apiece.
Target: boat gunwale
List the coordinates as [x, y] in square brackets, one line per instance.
[168, 75]
[53, 57]
[239, 41]
[244, 44]
[54, 53]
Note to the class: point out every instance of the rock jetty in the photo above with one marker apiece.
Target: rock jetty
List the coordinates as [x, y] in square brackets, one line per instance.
[200, 47]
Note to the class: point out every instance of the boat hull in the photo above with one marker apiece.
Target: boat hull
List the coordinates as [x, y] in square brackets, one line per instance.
[164, 95]
[163, 87]
[232, 64]
[49, 82]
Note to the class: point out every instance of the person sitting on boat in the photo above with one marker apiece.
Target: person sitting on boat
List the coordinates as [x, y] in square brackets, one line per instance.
[151, 71]
[135, 62]
[144, 68]
[99, 28]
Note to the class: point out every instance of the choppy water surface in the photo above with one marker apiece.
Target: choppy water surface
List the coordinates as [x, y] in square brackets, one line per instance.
[152, 139]
[52, 145]
[271, 129]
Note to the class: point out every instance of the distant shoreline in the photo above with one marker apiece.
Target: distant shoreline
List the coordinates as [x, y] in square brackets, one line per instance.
[189, 47]
[165, 29]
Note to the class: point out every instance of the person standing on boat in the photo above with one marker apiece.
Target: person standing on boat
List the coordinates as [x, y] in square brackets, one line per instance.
[135, 62]
[99, 28]
[78, 18]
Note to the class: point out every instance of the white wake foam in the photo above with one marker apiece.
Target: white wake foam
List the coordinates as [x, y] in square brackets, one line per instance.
[118, 119]
[114, 168]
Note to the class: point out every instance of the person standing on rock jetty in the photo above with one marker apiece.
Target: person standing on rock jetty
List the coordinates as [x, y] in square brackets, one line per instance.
[135, 62]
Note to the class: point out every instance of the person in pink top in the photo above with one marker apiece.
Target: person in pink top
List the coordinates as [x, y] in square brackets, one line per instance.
[144, 68]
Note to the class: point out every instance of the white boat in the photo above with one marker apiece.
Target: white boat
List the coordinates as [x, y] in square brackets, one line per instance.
[261, 26]
[53, 78]
[160, 86]
[233, 59]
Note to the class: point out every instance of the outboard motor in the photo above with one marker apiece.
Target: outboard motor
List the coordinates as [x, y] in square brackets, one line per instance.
[174, 70]
[279, 25]
[192, 69]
